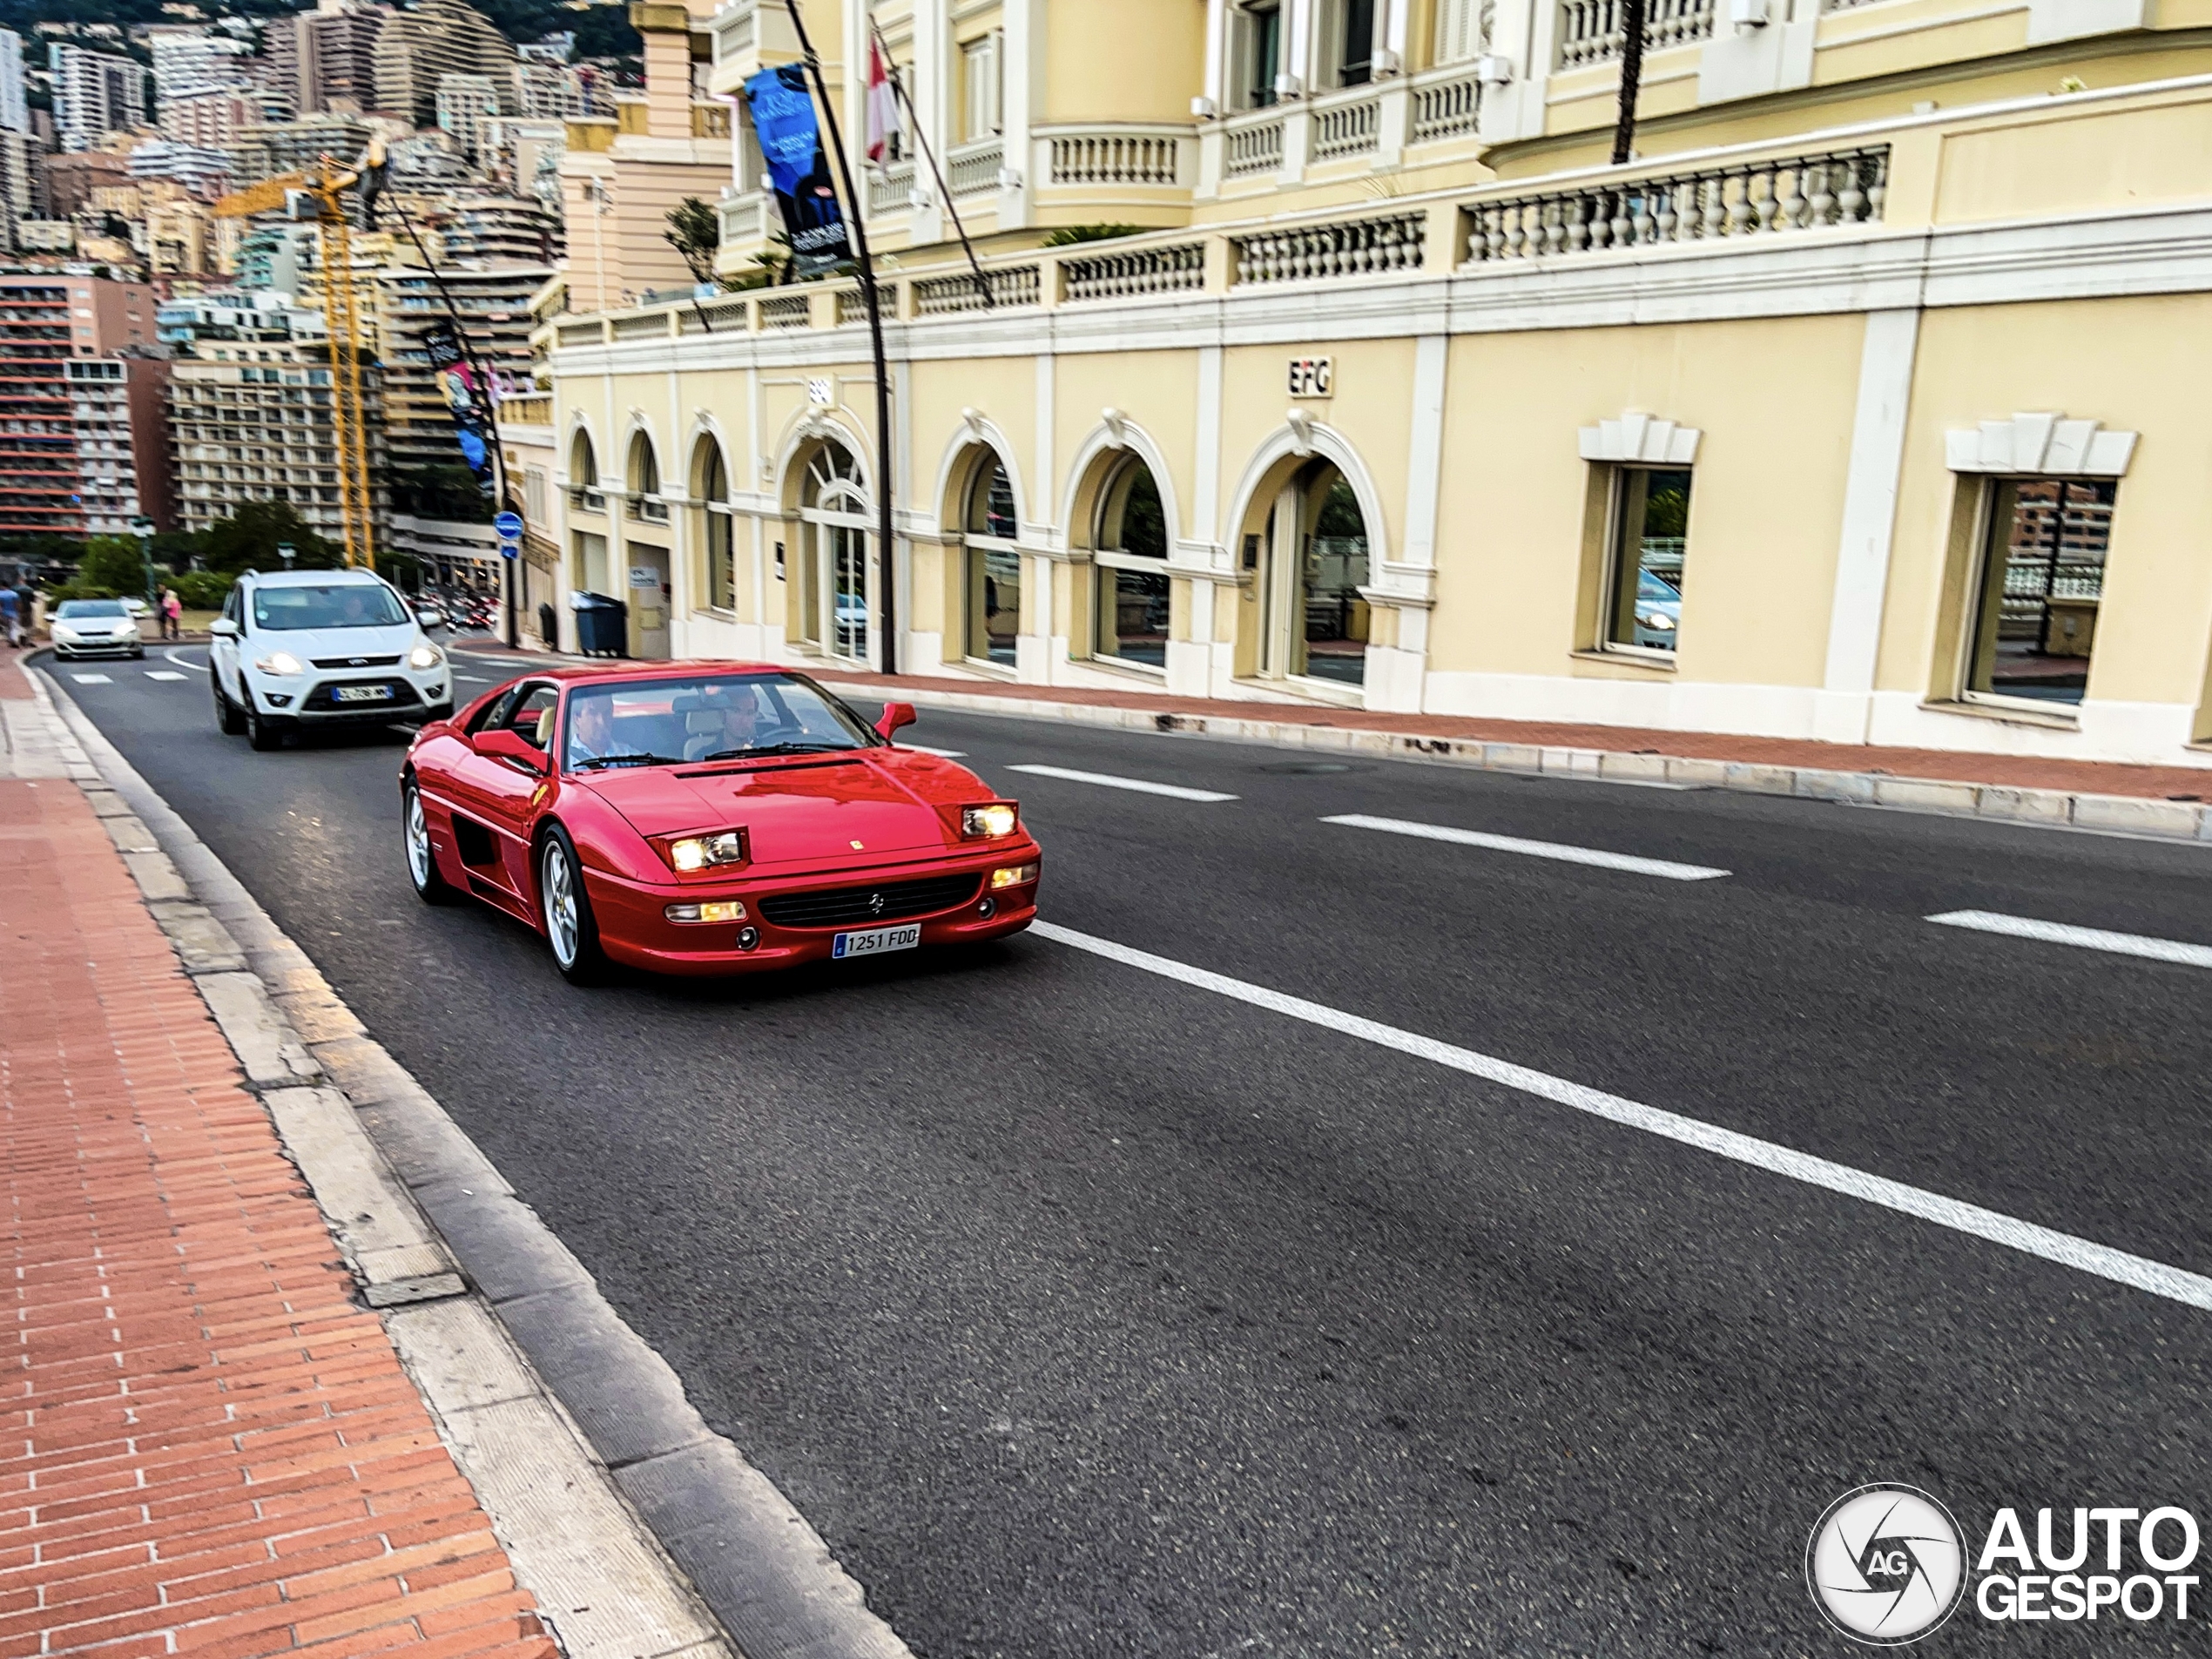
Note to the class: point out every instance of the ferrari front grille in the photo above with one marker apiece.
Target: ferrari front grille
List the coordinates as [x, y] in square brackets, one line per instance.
[857, 907]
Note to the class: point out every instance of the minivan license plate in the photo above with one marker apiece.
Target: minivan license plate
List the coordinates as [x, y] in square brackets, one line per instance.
[872, 940]
[362, 694]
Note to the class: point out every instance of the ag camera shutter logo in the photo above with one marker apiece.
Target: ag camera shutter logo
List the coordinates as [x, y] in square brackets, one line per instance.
[1886, 1565]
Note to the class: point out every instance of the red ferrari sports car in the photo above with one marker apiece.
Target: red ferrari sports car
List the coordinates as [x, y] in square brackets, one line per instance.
[708, 819]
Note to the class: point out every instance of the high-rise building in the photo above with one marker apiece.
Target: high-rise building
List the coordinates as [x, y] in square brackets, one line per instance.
[494, 317]
[500, 230]
[205, 172]
[439, 38]
[14, 113]
[118, 410]
[48, 321]
[22, 182]
[560, 91]
[466, 104]
[213, 120]
[190, 60]
[95, 93]
[264, 151]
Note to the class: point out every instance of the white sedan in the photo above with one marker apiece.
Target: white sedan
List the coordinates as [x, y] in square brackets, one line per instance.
[95, 628]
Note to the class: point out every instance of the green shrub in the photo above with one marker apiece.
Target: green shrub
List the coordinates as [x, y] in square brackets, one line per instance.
[203, 589]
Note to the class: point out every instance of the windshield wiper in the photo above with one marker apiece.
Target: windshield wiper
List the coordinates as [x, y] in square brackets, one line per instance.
[780, 749]
[598, 761]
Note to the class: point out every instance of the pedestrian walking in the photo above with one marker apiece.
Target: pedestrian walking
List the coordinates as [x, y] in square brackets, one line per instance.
[172, 611]
[11, 618]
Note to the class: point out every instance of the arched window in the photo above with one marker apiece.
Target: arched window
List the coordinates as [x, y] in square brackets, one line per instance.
[1130, 549]
[584, 470]
[720, 537]
[644, 481]
[1315, 620]
[835, 596]
[994, 564]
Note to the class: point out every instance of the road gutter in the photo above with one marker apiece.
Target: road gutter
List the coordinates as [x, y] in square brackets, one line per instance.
[642, 1533]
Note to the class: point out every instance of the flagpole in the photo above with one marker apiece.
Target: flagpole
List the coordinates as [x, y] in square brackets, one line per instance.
[889, 630]
[914, 116]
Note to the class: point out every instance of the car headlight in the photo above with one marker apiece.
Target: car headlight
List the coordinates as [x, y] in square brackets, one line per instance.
[689, 852]
[981, 822]
[1660, 622]
[1014, 875]
[64, 636]
[425, 656]
[282, 664]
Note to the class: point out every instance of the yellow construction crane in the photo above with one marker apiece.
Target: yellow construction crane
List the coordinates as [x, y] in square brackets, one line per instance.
[317, 197]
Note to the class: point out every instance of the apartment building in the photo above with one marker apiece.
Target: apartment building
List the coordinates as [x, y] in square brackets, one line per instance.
[48, 321]
[325, 60]
[191, 60]
[73, 177]
[466, 105]
[489, 230]
[118, 408]
[15, 110]
[95, 93]
[213, 120]
[254, 422]
[276, 147]
[1852, 407]
[418, 48]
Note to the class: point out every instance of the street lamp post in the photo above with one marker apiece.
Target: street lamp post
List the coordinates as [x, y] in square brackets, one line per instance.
[287, 553]
[142, 527]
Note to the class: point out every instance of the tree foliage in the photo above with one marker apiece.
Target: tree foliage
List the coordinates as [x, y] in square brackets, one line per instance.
[695, 232]
[113, 562]
[248, 541]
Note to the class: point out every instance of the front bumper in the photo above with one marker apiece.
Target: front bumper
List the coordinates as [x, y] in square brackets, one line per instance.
[79, 648]
[314, 702]
[634, 929]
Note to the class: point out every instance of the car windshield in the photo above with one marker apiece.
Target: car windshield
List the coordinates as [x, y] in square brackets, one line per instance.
[723, 718]
[74, 608]
[1654, 589]
[350, 604]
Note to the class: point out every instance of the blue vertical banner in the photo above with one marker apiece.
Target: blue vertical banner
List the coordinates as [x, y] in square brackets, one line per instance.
[465, 397]
[790, 142]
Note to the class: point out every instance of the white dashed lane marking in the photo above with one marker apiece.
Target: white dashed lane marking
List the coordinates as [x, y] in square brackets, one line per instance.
[92, 679]
[2138, 1272]
[1107, 780]
[1560, 850]
[942, 754]
[163, 674]
[2058, 932]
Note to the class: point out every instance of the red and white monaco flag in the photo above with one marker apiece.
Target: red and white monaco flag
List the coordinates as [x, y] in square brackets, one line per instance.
[883, 107]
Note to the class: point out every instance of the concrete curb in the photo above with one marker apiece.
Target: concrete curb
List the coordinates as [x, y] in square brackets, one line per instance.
[642, 1533]
[2174, 820]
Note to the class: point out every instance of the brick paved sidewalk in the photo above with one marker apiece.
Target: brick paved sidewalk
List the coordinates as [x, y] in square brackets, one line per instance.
[212, 1448]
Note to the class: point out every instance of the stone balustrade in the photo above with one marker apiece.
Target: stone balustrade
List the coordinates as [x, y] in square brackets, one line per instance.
[1449, 106]
[890, 189]
[943, 296]
[787, 311]
[1110, 156]
[1345, 129]
[1253, 145]
[1329, 252]
[1751, 198]
[1179, 269]
[1589, 30]
[971, 171]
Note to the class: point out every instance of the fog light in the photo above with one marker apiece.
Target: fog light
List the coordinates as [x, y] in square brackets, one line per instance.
[277, 700]
[989, 909]
[748, 937]
[1014, 875]
[730, 911]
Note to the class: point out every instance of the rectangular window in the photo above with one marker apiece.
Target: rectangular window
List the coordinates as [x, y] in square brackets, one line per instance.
[1351, 40]
[1260, 54]
[2042, 578]
[981, 83]
[1644, 558]
[721, 561]
[1459, 31]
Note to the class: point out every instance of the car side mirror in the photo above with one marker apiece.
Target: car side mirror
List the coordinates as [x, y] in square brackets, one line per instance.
[503, 745]
[223, 628]
[895, 716]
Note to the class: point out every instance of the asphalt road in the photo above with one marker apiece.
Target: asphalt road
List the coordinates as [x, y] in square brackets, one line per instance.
[1089, 1312]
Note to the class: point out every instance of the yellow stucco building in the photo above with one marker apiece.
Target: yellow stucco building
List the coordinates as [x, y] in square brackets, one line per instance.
[1855, 406]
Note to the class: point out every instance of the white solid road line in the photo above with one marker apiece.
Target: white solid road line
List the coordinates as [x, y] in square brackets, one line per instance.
[163, 674]
[2138, 1272]
[942, 754]
[197, 668]
[472, 679]
[1109, 781]
[1558, 850]
[2058, 932]
[92, 679]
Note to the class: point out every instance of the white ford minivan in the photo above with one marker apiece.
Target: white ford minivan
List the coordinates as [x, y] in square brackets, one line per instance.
[297, 649]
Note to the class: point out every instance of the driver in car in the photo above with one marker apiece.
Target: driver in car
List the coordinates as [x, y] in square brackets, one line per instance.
[591, 732]
[736, 729]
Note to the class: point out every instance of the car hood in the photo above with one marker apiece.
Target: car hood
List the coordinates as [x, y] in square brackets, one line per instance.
[94, 624]
[309, 643]
[878, 800]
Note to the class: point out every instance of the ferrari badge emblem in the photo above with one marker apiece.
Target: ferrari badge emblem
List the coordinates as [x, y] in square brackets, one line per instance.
[875, 904]
[857, 847]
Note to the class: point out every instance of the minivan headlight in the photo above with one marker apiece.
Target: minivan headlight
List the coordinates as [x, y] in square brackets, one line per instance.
[282, 664]
[425, 656]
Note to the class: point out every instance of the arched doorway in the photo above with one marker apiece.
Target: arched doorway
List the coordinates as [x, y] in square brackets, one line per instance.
[992, 565]
[1129, 550]
[1312, 559]
[836, 593]
[716, 524]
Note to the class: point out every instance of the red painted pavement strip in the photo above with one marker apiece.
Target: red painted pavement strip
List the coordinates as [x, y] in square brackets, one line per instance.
[206, 1446]
[1945, 766]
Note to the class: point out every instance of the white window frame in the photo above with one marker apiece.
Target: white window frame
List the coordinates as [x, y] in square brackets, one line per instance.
[982, 71]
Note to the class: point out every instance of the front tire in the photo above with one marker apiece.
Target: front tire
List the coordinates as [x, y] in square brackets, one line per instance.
[564, 910]
[228, 720]
[261, 734]
[421, 859]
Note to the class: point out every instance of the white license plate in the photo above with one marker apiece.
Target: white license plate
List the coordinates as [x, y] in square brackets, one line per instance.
[361, 694]
[874, 941]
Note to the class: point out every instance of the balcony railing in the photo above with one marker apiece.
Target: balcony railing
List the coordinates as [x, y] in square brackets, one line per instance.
[787, 311]
[971, 171]
[1446, 108]
[1589, 30]
[1346, 129]
[890, 189]
[1180, 269]
[1357, 248]
[710, 118]
[941, 296]
[1111, 156]
[1253, 145]
[1747, 199]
